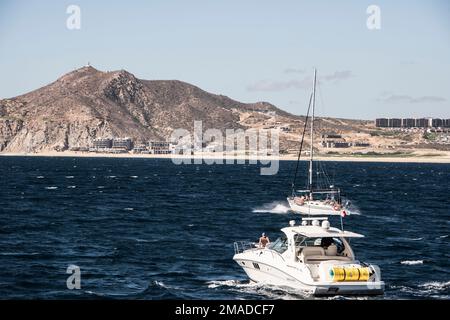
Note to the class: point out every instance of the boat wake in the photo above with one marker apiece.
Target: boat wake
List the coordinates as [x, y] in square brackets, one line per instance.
[269, 291]
[353, 212]
[273, 207]
[352, 209]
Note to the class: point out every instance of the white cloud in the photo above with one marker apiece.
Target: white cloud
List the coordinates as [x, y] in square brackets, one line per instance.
[395, 98]
[269, 85]
[338, 76]
[294, 70]
[306, 82]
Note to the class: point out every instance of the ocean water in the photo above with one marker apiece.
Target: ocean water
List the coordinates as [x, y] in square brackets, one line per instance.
[149, 229]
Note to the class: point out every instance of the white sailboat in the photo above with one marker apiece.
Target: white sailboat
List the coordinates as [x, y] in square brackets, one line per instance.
[314, 200]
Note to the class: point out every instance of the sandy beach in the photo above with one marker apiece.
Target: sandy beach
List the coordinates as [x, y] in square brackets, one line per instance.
[442, 157]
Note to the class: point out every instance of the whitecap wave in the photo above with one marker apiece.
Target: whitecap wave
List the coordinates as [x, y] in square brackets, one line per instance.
[274, 207]
[435, 285]
[161, 284]
[128, 209]
[220, 283]
[141, 240]
[51, 188]
[69, 177]
[412, 262]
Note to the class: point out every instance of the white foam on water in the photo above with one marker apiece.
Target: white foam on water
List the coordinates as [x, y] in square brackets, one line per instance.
[69, 177]
[51, 188]
[274, 207]
[219, 283]
[128, 209]
[435, 285]
[353, 212]
[142, 240]
[165, 286]
[269, 291]
[160, 284]
[40, 177]
[71, 187]
[134, 177]
[412, 262]
[112, 177]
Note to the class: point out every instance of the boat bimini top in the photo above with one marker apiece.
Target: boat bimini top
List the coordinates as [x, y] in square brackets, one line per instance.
[318, 230]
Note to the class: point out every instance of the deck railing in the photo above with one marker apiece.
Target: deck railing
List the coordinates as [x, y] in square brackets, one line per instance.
[241, 246]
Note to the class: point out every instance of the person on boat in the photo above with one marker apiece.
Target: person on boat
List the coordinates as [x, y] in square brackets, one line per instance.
[263, 241]
[299, 200]
[329, 246]
[325, 242]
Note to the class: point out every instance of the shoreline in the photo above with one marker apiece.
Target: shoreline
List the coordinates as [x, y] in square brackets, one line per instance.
[341, 158]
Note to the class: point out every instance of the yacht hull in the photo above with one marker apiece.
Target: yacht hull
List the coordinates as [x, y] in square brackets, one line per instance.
[312, 208]
[263, 266]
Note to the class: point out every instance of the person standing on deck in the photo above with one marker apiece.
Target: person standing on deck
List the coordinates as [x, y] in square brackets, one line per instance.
[263, 241]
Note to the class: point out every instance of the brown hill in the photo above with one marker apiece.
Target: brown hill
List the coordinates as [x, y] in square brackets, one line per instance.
[86, 104]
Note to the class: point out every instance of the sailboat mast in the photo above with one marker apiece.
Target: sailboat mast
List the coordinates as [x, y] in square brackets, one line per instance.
[312, 133]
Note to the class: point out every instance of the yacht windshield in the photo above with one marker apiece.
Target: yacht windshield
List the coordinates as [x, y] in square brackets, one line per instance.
[320, 242]
[280, 245]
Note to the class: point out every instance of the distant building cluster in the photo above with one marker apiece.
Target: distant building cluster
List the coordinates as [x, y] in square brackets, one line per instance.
[337, 141]
[125, 145]
[412, 123]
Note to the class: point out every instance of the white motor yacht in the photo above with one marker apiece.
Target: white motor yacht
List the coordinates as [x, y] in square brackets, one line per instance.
[312, 257]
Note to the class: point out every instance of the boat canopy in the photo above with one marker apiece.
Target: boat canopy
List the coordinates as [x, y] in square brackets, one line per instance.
[319, 232]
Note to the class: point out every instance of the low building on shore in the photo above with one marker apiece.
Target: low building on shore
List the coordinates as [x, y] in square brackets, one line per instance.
[122, 143]
[361, 144]
[160, 147]
[412, 123]
[141, 148]
[102, 143]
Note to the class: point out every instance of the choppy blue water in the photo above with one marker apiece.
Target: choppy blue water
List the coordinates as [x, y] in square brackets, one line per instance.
[149, 229]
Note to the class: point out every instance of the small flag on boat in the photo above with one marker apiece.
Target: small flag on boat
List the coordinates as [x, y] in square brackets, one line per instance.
[343, 214]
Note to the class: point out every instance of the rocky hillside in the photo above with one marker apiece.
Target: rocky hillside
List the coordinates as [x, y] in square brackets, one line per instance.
[86, 104]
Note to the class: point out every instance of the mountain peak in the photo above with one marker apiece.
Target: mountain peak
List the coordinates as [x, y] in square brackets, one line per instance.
[84, 71]
[75, 109]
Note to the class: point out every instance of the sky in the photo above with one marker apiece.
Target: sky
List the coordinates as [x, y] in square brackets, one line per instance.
[249, 50]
